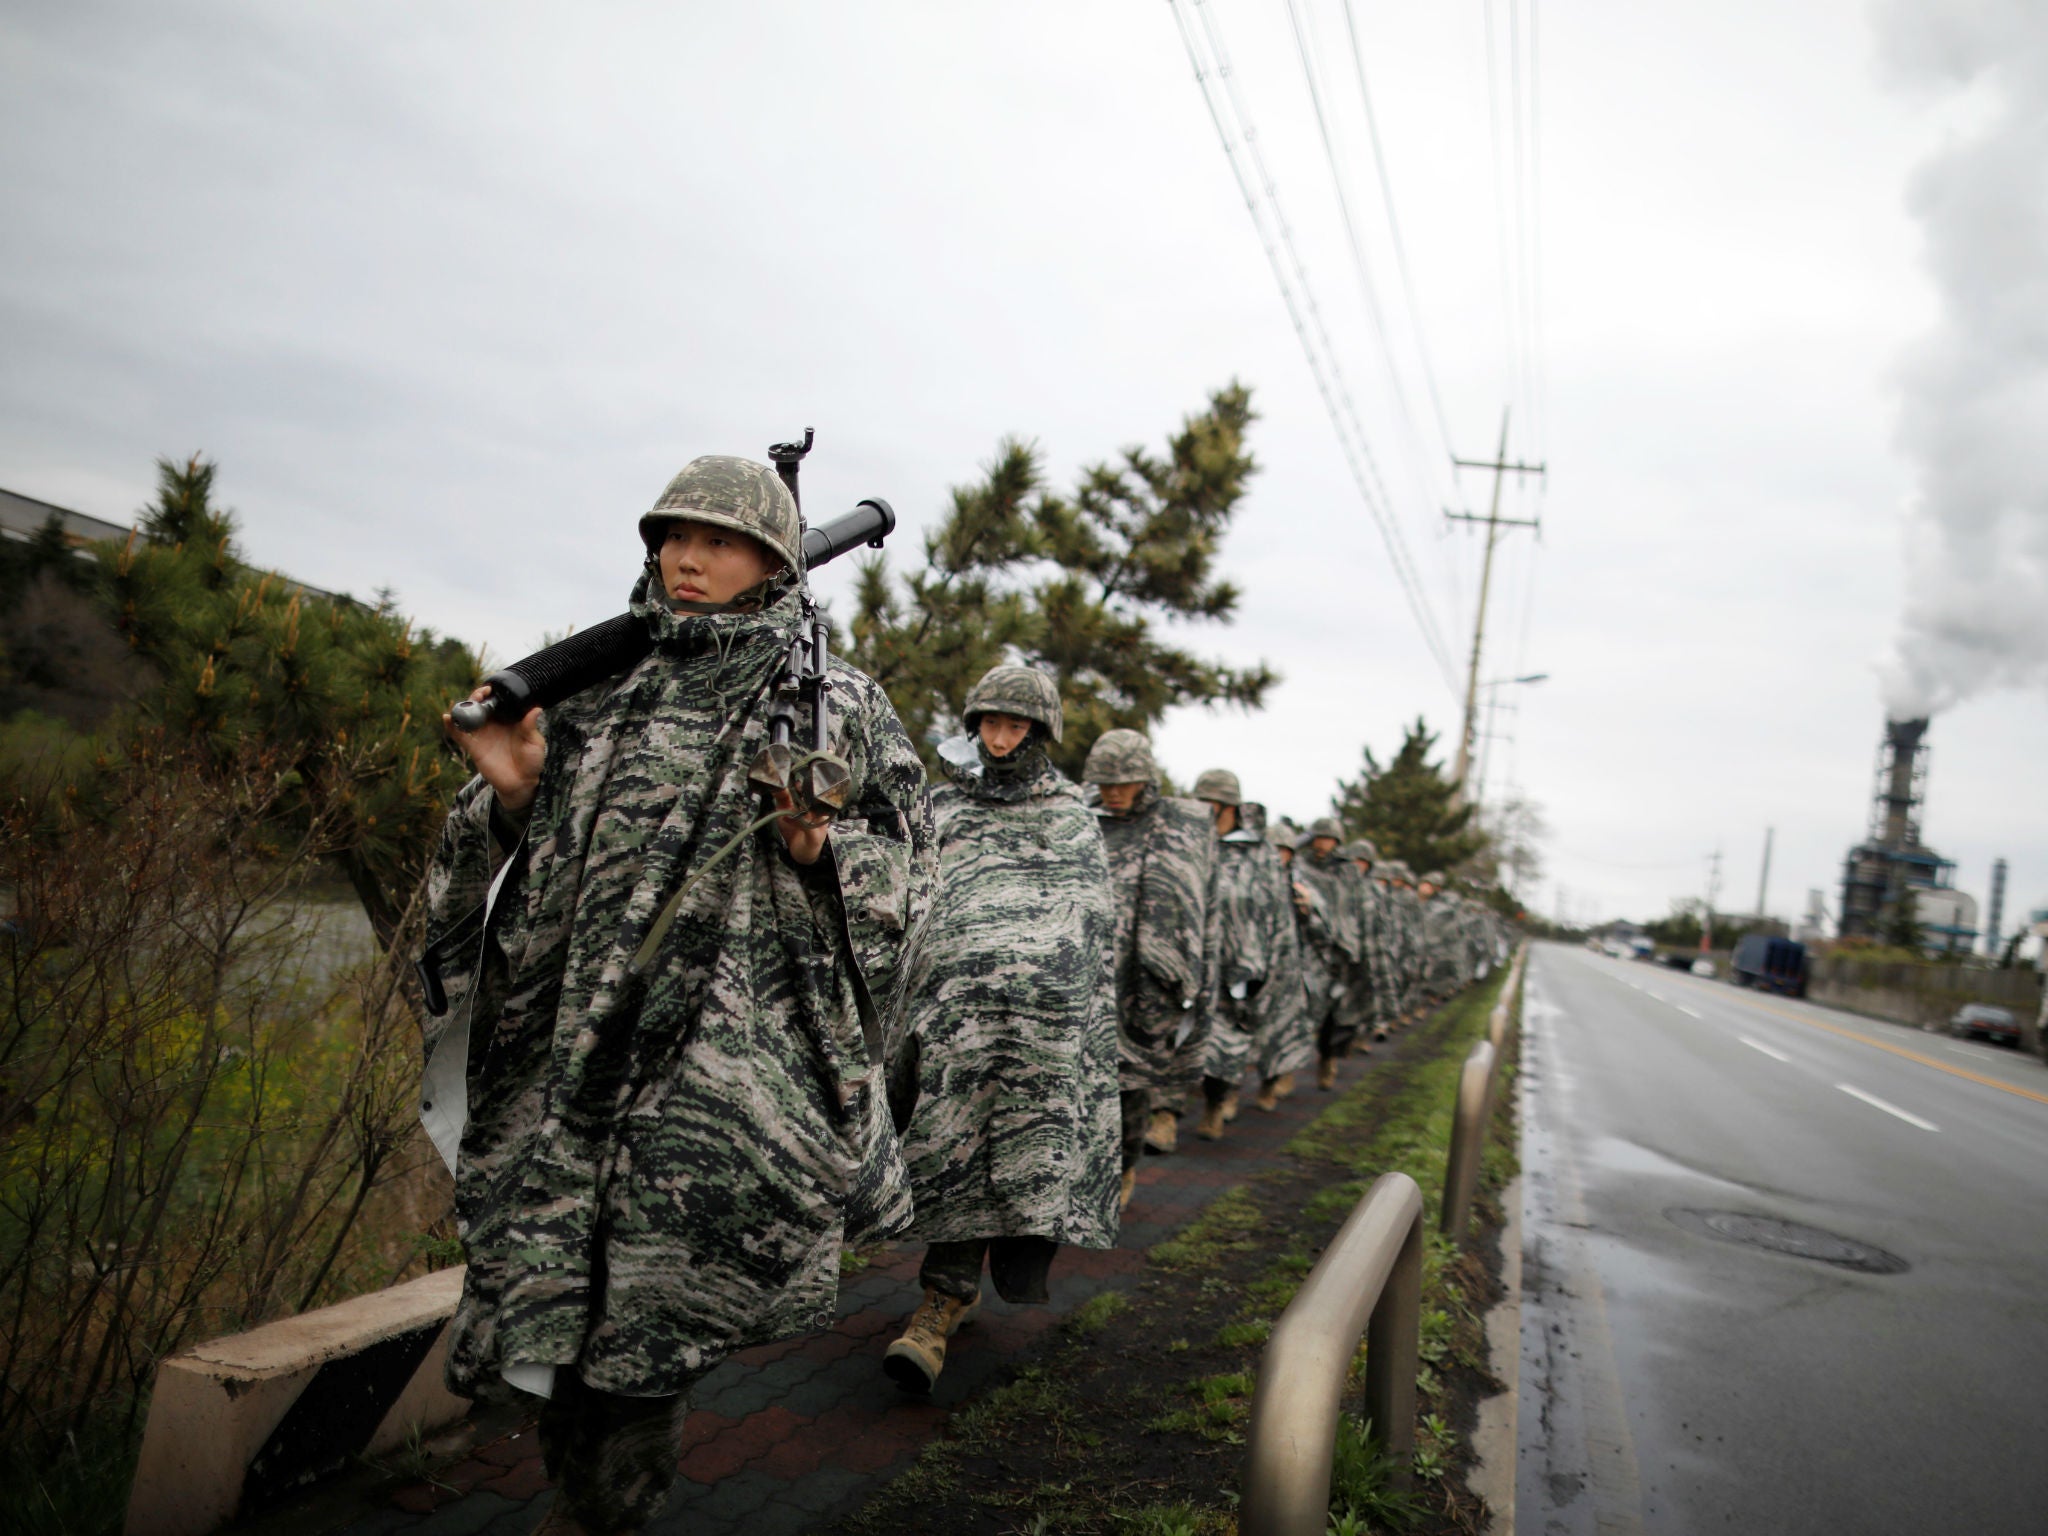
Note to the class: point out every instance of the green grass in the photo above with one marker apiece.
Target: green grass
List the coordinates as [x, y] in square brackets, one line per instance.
[1094, 1314]
[1362, 1489]
[1251, 1334]
[1226, 1226]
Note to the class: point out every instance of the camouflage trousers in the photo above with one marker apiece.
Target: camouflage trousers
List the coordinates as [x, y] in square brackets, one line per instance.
[1335, 1029]
[613, 1458]
[1018, 1265]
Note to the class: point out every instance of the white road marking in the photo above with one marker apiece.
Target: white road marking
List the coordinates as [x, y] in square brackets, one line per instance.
[1891, 1109]
[1690, 1013]
[1758, 1045]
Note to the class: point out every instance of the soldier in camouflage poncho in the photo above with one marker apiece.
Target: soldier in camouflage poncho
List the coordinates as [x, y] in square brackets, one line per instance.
[1444, 939]
[1004, 1052]
[1258, 1003]
[1331, 909]
[1161, 864]
[1406, 907]
[661, 1065]
[1379, 963]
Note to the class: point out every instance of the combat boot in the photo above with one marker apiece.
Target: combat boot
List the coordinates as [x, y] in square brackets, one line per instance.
[1283, 1085]
[1269, 1094]
[1229, 1106]
[1123, 1202]
[1163, 1134]
[915, 1360]
[1211, 1128]
[1326, 1074]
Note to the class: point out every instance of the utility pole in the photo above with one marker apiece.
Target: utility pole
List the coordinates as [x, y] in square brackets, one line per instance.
[1763, 881]
[1494, 523]
[1713, 895]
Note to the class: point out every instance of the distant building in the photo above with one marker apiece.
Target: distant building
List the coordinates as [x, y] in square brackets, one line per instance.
[23, 517]
[1879, 873]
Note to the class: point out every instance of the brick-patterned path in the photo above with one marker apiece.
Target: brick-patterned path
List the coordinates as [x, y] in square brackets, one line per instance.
[787, 1438]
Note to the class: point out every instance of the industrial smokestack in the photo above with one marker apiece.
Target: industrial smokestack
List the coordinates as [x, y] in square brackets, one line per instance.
[1899, 797]
[1997, 917]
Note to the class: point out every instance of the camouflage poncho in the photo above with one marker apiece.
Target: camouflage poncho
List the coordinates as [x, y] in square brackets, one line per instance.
[1333, 941]
[1004, 1053]
[1258, 956]
[1444, 945]
[1161, 863]
[656, 1173]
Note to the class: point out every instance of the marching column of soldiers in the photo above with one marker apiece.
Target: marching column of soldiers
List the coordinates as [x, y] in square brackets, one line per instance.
[697, 1050]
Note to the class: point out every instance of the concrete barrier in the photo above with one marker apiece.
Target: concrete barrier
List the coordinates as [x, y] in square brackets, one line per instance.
[237, 1424]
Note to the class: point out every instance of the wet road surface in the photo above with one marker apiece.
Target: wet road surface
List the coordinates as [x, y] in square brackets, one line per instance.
[1784, 1269]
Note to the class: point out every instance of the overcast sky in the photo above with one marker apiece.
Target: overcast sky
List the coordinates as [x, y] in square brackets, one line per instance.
[449, 291]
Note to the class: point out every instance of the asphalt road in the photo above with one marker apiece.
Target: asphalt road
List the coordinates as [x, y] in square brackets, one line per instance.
[1677, 1379]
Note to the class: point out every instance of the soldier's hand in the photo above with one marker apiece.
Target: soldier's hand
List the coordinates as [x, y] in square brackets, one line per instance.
[508, 756]
[803, 832]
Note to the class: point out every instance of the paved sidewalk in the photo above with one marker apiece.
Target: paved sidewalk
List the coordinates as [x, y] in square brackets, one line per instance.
[789, 1437]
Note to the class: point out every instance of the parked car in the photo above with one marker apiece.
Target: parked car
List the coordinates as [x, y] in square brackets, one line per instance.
[1772, 964]
[1974, 1019]
[1703, 967]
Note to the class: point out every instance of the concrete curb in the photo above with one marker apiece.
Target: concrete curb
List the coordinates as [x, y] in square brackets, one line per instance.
[1494, 1437]
[242, 1421]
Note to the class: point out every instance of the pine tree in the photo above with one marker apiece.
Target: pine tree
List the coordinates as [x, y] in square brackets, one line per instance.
[1409, 809]
[1902, 922]
[1077, 584]
[350, 694]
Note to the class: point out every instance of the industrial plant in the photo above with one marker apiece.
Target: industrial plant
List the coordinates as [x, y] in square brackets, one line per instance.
[1892, 867]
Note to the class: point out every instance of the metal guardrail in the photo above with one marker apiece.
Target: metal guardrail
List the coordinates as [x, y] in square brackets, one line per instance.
[1468, 1140]
[1367, 1284]
[1476, 1088]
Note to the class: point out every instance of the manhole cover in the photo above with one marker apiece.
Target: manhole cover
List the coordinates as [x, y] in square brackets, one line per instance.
[1791, 1238]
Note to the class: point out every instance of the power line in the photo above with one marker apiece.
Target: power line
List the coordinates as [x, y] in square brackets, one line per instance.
[1379, 160]
[1424, 461]
[1368, 290]
[1323, 366]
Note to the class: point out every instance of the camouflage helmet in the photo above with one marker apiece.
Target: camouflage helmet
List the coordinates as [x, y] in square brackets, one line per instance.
[1120, 757]
[1435, 877]
[1400, 871]
[1219, 786]
[732, 493]
[1010, 689]
[1361, 848]
[1282, 836]
[1325, 826]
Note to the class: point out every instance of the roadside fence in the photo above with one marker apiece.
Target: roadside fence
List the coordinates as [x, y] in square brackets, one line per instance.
[1367, 1284]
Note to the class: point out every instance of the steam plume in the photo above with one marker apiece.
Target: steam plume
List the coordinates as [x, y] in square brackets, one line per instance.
[1975, 392]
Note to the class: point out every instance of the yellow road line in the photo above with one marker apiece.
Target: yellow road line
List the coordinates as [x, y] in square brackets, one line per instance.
[1898, 1050]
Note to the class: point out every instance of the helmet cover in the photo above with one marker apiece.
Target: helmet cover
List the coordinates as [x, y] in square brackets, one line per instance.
[730, 493]
[1120, 757]
[1219, 786]
[1011, 689]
